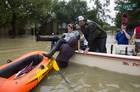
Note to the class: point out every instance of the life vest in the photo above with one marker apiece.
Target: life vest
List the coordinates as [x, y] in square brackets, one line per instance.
[138, 32]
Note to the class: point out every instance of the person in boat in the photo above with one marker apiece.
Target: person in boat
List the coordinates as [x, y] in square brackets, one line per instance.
[94, 34]
[136, 36]
[123, 37]
[82, 43]
[67, 45]
[25, 70]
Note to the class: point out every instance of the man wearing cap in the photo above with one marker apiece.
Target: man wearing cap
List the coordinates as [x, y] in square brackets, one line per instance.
[94, 34]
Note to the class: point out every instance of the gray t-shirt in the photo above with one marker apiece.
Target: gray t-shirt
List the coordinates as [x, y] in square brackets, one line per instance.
[71, 35]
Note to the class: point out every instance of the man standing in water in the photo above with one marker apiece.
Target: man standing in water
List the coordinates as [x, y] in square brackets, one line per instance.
[94, 34]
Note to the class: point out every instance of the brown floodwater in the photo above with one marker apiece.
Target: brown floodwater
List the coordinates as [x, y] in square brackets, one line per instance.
[81, 78]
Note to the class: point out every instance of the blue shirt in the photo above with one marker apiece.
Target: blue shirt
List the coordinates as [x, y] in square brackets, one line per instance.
[121, 38]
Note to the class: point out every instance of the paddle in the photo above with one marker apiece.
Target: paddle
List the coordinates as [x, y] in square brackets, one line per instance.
[56, 67]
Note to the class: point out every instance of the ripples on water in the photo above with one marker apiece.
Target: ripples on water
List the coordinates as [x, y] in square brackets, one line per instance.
[89, 79]
[13, 48]
[82, 78]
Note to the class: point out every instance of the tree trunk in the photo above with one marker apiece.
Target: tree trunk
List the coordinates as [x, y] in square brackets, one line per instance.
[12, 31]
[13, 24]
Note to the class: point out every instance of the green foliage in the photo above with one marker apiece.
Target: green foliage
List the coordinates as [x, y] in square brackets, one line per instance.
[16, 14]
[92, 15]
[24, 11]
[76, 8]
[132, 8]
[99, 11]
[118, 20]
[67, 12]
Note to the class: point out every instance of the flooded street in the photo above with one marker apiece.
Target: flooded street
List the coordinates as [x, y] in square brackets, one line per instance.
[89, 79]
[81, 78]
[13, 48]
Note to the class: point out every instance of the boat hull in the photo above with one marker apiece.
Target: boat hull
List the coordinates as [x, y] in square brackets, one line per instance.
[117, 63]
[121, 49]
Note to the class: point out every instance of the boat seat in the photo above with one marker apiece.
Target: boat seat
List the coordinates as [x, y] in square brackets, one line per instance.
[19, 65]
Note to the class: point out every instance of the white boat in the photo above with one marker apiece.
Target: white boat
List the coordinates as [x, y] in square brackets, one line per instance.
[121, 49]
[112, 62]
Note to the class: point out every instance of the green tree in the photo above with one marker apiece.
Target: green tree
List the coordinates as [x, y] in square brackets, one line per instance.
[17, 13]
[76, 8]
[69, 11]
[132, 8]
[99, 11]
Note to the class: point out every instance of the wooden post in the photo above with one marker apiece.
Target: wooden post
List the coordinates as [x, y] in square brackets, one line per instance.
[126, 50]
[111, 49]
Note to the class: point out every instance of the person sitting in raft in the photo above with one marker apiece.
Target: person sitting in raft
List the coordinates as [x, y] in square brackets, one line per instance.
[66, 45]
[25, 70]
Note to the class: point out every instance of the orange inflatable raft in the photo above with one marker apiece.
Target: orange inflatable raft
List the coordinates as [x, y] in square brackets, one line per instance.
[11, 79]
